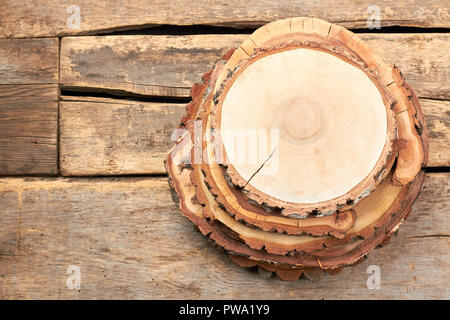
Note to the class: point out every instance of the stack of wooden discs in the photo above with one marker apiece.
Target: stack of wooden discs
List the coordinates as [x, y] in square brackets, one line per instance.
[301, 150]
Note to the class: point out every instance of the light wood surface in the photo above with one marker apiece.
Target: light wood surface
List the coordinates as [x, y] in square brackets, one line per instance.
[125, 233]
[117, 229]
[169, 65]
[311, 120]
[29, 106]
[116, 137]
[83, 118]
[29, 61]
[28, 129]
[57, 18]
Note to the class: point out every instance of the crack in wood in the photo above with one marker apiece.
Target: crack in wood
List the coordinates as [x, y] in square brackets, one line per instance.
[262, 165]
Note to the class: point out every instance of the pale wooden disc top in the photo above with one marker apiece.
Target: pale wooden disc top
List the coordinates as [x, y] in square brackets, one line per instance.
[325, 119]
[304, 116]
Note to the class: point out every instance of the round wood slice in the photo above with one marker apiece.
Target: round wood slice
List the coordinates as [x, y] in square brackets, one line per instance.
[373, 212]
[273, 82]
[238, 206]
[305, 123]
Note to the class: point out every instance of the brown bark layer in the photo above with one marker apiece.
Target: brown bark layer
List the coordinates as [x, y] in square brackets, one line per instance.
[336, 254]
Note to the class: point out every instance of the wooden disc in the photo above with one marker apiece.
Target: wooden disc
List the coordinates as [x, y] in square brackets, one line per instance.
[374, 212]
[216, 198]
[303, 127]
[231, 198]
[325, 119]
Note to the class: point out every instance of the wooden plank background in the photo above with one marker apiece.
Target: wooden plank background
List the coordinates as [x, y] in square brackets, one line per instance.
[130, 242]
[169, 65]
[116, 136]
[39, 18]
[29, 106]
[28, 129]
[106, 206]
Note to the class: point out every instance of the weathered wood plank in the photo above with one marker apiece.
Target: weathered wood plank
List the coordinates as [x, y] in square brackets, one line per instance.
[101, 136]
[28, 129]
[169, 65]
[437, 116]
[58, 18]
[419, 58]
[28, 106]
[147, 65]
[107, 136]
[10, 218]
[29, 61]
[129, 241]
